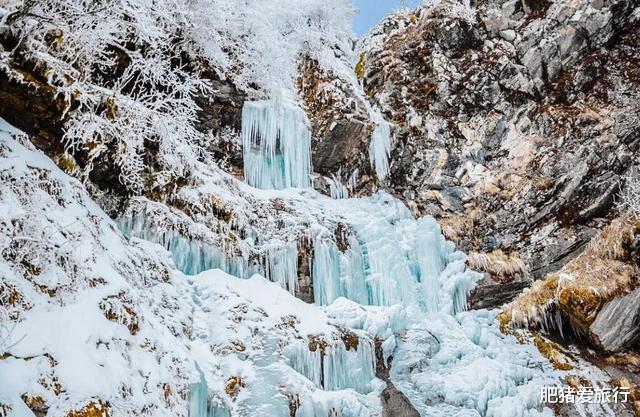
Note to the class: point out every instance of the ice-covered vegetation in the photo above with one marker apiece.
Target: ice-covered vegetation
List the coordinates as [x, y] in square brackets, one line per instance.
[630, 196]
[128, 71]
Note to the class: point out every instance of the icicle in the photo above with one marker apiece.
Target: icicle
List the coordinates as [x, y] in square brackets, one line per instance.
[379, 148]
[190, 257]
[201, 405]
[306, 362]
[276, 145]
[198, 398]
[353, 180]
[326, 272]
[281, 265]
[339, 368]
[336, 188]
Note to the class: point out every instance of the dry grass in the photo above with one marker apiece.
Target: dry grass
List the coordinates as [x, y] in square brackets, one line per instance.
[234, 385]
[634, 397]
[624, 358]
[604, 270]
[502, 267]
[455, 228]
[93, 409]
[553, 352]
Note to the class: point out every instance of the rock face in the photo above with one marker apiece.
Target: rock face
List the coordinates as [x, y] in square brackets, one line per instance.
[341, 128]
[516, 121]
[618, 323]
[221, 116]
[597, 294]
[394, 402]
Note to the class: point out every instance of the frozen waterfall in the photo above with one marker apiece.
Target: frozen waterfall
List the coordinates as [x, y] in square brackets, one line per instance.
[392, 278]
[276, 144]
[392, 259]
[335, 367]
[379, 148]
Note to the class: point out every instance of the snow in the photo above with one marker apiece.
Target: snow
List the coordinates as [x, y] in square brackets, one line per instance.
[63, 257]
[156, 326]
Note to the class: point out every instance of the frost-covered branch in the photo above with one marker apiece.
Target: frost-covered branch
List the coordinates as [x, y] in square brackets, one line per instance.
[630, 195]
[128, 71]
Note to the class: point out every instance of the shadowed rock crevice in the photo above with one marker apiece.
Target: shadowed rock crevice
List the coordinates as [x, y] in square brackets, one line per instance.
[394, 402]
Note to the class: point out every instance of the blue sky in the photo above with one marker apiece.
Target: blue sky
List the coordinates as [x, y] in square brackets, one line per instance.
[372, 11]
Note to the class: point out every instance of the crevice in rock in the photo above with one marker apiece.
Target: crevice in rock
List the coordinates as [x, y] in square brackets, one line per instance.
[394, 402]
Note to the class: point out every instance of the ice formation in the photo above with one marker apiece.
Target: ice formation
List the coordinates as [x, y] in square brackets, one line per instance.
[392, 259]
[278, 261]
[219, 346]
[335, 366]
[276, 144]
[202, 404]
[189, 256]
[394, 275]
[379, 149]
[337, 190]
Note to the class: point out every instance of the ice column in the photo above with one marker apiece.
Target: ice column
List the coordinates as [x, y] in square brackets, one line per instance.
[281, 265]
[201, 405]
[276, 142]
[379, 148]
[327, 285]
[336, 367]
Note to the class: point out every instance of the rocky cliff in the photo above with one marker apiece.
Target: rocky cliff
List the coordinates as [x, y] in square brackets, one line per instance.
[516, 120]
[513, 123]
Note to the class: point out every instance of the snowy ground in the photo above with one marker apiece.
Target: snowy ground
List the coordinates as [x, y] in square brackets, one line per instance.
[98, 321]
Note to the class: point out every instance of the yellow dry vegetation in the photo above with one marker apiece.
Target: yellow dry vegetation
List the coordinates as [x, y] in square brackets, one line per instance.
[603, 271]
[93, 409]
[360, 66]
[234, 385]
[502, 267]
[552, 351]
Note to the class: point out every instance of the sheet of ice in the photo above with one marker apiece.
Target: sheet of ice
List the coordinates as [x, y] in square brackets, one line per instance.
[276, 142]
[379, 148]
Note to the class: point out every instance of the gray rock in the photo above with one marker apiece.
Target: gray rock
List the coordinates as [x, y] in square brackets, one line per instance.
[617, 325]
[556, 110]
[508, 35]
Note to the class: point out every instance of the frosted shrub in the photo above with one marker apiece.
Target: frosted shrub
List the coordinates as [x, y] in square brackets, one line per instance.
[455, 8]
[127, 71]
[630, 195]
